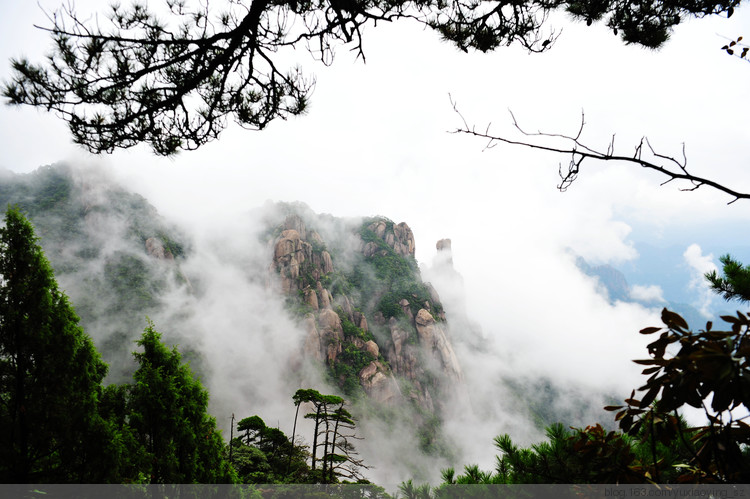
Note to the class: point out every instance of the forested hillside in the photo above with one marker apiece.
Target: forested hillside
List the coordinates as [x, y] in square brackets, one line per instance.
[367, 326]
[303, 305]
[112, 253]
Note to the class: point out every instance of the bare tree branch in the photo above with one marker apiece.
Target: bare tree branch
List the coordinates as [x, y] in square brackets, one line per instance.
[672, 168]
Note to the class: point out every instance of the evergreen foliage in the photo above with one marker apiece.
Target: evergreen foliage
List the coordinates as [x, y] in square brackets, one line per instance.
[709, 370]
[60, 425]
[50, 373]
[87, 227]
[167, 410]
[331, 435]
[735, 284]
[387, 276]
[175, 83]
[266, 455]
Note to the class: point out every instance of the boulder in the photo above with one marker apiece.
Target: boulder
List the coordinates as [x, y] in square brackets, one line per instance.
[324, 297]
[360, 320]
[382, 388]
[289, 254]
[155, 248]
[372, 348]
[326, 264]
[294, 222]
[370, 249]
[433, 340]
[311, 347]
[405, 238]
[311, 298]
[331, 333]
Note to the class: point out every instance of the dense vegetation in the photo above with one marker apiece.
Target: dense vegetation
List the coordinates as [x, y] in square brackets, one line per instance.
[50, 372]
[388, 276]
[62, 425]
[708, 370]
[78, 229]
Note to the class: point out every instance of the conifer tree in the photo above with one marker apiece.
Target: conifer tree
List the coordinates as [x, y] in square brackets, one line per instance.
[50, 373]
[331, 419]
[168, 413]
[174, 82]
[734, 284]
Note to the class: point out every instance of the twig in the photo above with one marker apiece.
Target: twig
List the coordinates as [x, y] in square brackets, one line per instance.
[671, 167]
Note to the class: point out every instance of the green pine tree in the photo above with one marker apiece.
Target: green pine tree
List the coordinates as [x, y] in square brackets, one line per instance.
[734, 284]
[168, 414]
[50, 373]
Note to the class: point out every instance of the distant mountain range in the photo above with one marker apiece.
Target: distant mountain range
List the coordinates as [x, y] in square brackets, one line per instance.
[615, 286]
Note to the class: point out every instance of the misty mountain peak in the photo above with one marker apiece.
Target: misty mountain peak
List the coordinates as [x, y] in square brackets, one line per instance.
[370, 319]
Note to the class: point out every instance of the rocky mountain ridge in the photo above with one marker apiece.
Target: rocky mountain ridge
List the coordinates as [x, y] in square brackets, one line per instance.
[377, 331]
[391, 329]
[257, 300]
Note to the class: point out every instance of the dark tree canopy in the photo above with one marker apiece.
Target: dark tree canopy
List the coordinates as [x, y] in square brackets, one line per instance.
[710, 371]
[50, 373]
[174, 85]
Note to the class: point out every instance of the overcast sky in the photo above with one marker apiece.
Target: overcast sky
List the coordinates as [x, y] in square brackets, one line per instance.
[376, 141]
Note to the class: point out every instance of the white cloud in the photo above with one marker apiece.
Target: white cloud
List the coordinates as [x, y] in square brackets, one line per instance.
[699, 264]
[697, 261]
[649, 293]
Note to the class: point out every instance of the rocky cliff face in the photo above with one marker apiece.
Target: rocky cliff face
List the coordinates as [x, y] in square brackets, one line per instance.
[376, 328]
[372, 321]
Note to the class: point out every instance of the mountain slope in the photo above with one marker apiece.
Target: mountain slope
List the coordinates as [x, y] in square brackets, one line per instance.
[280, 298]
[360, 317]
[110, 250]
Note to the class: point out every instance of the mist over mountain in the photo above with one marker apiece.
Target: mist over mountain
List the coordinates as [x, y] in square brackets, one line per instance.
[281, 297]
[674, 285]
[110, 250]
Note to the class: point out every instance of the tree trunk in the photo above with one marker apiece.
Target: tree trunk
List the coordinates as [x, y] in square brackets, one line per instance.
[333, 443]
[315, 436]
[325, 445]
[231, 437]
[294, 429]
